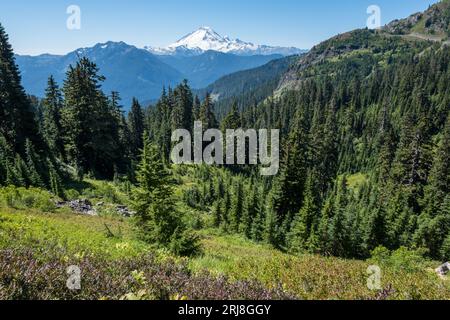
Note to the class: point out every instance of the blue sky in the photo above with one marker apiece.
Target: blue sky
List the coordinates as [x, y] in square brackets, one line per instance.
[37, 27]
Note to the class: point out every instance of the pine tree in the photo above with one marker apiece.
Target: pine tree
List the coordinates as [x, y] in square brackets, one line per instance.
[271, 223]
[386, 148]
[88, 122]
[338, 232]
[157, 217]
[323, 229]
[207, 116]
[182, 110]
[17, 118]
[33, 166]
[250, 213]
[196, 109]
[232, 120]
[55, 182]
[237, 206]
[52, 105]
[288, 192]
[6, 157]
[136, 127]
[257, 230]
[305, 221]
[121, 130]
[438, 186]
[217, 213]
[226, 209]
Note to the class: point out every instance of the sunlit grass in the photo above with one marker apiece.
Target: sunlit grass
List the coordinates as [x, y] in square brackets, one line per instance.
[77, 234]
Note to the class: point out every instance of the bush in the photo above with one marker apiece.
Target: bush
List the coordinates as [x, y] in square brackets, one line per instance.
[185, 243]
[22, 198]
[103, 190]
[71, 194]
[402, 259]
[445, 251]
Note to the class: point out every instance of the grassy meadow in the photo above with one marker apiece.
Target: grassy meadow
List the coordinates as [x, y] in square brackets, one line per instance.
[34, 232]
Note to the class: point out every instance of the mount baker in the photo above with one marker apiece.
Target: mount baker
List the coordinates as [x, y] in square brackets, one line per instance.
[202, 57]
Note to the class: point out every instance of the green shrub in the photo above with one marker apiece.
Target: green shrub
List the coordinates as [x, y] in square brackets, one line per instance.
[23, 198]
[185, 243]
[71, 194]
[402, 259]
[103, 190]
[445, 251]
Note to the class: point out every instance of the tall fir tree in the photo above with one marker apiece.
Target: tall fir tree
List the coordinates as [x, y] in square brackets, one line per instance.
[157, 217]
[207, 116]
[136, 128]
[52, 127]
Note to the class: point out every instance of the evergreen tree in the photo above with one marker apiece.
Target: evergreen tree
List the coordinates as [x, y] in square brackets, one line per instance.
[338, 232]
[237, 206]
[182, 113]
[157, 217]
[33, 166]
[288, 192]
[232, 120]
[257, 230]
[271, 234]
[217, 213]
[207, 116]
[136, 128]
[88, 122]
[250, 213]
[196, 109]
[304, 224]
[17, 118]
[52, 128]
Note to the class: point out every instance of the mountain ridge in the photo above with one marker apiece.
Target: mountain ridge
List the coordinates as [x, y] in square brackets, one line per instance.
[403, 32]
[128, 70]
[206, 39]
[136, 72]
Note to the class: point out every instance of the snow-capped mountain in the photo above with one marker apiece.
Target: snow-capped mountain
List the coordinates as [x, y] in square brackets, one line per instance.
[206, 39]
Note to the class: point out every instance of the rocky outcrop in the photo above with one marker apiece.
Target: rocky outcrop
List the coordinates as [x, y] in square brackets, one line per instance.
[85, 207]
[443, 269]
[80, 206]
[124, 211]
[433, 21]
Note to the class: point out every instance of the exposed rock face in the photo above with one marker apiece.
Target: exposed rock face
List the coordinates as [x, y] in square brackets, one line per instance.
[81, 206]
[85, 207]
[125, 211]
[435, 20]
[444, 269]
[403, 26]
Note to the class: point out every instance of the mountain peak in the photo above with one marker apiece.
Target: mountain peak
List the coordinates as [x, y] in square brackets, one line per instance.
[206, 28]
[206, 39]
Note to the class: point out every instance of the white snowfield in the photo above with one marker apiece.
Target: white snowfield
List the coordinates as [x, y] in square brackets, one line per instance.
[206, 39]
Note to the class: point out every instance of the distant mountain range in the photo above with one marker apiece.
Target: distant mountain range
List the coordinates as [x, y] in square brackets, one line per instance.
[202, 57]
[131, 71]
